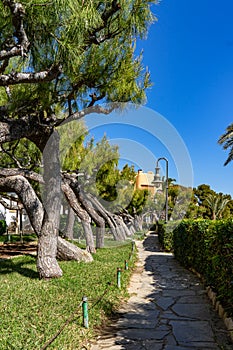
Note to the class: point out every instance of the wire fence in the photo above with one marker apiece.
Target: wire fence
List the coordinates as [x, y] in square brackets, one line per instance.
[82, 310]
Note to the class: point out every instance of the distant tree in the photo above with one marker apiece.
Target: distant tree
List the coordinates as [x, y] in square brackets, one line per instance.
[179, 201]
[217, 204]
[128, 173]
[226, 140]
[209, 204]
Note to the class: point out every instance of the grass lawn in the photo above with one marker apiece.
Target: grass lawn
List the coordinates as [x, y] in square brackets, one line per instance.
[33, 310]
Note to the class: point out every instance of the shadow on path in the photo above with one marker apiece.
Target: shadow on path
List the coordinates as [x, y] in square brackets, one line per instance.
[168, 308]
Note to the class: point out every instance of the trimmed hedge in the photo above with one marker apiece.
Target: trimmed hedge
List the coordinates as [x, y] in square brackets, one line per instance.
[206, 246]
[165, 234]
[2, 227]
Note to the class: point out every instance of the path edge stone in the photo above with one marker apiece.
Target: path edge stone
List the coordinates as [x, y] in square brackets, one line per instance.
[220, 310]
[228, 321]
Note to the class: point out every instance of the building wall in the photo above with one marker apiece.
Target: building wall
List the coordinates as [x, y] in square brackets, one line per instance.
[144, 181]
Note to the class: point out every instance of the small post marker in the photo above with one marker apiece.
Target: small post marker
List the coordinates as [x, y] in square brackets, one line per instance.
[85, 312]
[126, 265]
[119, 277]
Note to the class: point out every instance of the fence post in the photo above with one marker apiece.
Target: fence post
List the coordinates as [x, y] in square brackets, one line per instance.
[119, 277]
[126, 265]
[85, 312]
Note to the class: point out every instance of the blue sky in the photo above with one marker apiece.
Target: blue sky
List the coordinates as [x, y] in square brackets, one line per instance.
[189, 53]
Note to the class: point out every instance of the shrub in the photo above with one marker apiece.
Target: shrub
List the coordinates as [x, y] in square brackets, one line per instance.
[165, 234]
[207, 246]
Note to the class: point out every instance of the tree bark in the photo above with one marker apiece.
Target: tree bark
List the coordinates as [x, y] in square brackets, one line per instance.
[98, 220]
[47, 264]
[69, 229]
[81, 213]
[138, 222]
[109, 218]
[90, 244]
[100, 232]
[18, 184]
[27, 196]
[68, 251]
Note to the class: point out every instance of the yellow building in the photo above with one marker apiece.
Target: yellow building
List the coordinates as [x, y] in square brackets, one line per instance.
[145, 181]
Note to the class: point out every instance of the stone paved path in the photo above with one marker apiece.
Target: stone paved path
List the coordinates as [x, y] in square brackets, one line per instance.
[168, 309]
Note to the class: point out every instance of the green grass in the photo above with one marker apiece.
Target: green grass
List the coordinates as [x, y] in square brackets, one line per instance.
[33, 310]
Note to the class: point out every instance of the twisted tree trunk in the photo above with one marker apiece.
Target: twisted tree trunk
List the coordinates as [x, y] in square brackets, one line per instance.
[100, 233]
[68, 251]
[98, 220]
[69, 229]
[115, 223]
[81, 213]
[47, 264]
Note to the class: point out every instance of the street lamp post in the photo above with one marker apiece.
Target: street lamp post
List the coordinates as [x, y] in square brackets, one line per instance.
[157, 182]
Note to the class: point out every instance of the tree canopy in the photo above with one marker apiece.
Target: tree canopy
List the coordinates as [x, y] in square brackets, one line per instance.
[58, 61]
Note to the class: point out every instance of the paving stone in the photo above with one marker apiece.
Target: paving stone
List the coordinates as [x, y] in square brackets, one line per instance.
[197, 347]
[142, 344]
[176, 347]
[195, 299]
[164, 302]
[177, 292]
[144, 320]
[168, 309]
[192, 331]
[197, 311]
[169, 316]
[142, 334]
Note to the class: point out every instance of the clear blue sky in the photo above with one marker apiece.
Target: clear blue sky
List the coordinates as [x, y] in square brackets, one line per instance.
[189, 53]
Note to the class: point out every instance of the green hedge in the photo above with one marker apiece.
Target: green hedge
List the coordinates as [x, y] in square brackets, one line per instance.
[206, 246]
[165, 234]
[2, 227]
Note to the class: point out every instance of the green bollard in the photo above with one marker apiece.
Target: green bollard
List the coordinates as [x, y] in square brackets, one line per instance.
[85, 312]
[126, 265]
[118, 277]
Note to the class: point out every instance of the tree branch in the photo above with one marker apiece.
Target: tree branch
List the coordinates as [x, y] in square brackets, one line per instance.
[29, 174]
[73, 202]
[28, 127]
[21, 48]
[15, 78]
[27, 196]
[81, 114]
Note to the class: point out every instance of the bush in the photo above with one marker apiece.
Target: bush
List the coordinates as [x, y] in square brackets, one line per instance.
[2, 227]
[207, 246]
[165, 234]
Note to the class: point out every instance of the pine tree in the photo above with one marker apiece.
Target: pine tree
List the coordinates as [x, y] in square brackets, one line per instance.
[63, 56]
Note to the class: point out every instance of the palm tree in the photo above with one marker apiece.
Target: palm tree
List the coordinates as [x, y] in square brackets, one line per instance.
[227, 141]
[216, 203]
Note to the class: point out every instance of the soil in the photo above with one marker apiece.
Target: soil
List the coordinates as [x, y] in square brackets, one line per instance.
[10, 250]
